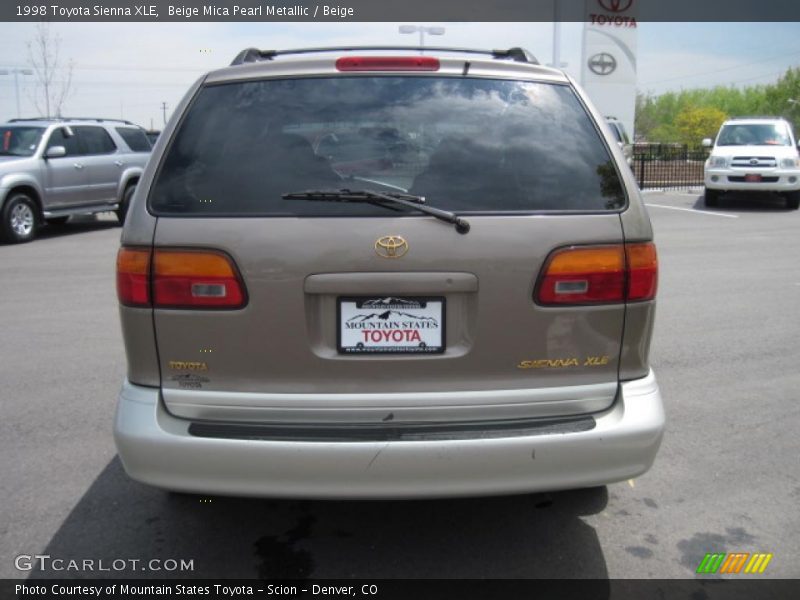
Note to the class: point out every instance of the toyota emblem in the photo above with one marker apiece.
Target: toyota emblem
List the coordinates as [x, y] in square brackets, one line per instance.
[391, 246]
[602, 64]
[616, 6]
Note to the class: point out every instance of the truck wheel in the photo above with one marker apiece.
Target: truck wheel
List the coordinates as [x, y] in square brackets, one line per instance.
[711, 197]
[792, 200]
[18, 219]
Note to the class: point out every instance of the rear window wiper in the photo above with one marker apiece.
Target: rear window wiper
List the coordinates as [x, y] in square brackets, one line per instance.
[381, 199]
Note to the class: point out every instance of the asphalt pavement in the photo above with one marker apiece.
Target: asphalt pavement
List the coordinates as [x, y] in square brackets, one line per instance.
[727, 478]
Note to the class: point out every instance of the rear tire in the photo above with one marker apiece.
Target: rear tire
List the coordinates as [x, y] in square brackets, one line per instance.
[18, 219]
[792, 200]
[711, 197]
[122, 211]
[57, 220]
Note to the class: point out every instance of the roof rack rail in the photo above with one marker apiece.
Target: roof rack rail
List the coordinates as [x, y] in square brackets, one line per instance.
[61, 119]
[250, 55]
[17, 119]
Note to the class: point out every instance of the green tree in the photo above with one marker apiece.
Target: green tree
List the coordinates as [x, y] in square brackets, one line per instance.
[657, 116]
[782, 99]
[694, 124]
[645, 117]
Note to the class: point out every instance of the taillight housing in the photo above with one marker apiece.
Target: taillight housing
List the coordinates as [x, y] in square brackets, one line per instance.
[387, 63]
[604, 274]
[179, 278]
[133, 276]
[642, 263]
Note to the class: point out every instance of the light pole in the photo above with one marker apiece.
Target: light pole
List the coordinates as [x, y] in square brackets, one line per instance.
[17, 72]
[557, 64]
[422, 31]
[556, 36]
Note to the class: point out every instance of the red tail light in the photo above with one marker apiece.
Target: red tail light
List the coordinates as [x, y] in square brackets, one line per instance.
[203, 279]
[584, 275]
[599, 275]
[133, 276]
[387, 63]
[642, 271]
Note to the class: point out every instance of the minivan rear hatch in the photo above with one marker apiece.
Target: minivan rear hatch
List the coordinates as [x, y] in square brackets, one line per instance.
[369, 310]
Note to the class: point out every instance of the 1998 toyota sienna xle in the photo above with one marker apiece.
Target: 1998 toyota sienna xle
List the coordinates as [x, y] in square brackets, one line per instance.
[376, 273]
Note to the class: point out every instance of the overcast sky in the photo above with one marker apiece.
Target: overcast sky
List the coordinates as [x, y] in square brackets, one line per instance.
[128, 70]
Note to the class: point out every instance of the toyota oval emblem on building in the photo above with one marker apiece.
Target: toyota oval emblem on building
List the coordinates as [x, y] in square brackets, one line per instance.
[602, 64]
[391, 246]
[615, 5]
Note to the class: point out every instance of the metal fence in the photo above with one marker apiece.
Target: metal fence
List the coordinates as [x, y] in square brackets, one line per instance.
[672, 166]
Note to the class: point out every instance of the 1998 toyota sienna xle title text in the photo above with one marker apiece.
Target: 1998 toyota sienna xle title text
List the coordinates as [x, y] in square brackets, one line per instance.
[364, 273]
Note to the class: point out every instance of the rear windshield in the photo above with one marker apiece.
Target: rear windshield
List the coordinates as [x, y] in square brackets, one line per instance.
[466, 145]
[19, 141]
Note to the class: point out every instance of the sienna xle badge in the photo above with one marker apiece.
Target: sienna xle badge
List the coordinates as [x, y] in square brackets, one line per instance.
[347, 274]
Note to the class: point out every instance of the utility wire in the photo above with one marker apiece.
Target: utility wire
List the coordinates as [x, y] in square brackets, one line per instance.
[739, 66]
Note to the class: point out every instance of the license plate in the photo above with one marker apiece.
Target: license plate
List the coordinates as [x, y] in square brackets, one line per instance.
[752, 177]
[391, 325]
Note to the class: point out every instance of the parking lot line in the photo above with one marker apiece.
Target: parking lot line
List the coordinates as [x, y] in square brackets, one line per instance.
[694, 210]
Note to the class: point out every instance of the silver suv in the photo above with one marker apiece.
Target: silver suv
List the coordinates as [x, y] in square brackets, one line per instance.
[376, 273]
[51, 169]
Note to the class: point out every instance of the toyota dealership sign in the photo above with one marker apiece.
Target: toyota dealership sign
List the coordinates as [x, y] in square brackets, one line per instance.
[608, 70]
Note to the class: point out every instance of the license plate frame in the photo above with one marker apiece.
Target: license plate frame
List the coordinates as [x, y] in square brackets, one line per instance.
[753, 177]
[424, 308]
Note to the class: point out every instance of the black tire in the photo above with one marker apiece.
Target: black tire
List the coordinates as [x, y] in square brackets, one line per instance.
[18, 219]
[57, 220]
[792, 200]
[711, 197]
[125, 203]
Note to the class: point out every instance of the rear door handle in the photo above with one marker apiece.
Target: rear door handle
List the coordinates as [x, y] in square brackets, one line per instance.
[119, 163]
[78, 166]
[381, 283]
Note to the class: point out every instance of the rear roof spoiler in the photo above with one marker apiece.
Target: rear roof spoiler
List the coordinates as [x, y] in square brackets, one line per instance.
[250, 55]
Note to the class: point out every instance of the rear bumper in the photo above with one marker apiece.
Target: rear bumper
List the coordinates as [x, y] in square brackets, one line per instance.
[157, 449]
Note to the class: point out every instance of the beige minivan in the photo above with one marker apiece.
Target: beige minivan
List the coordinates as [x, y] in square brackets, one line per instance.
[378, 273]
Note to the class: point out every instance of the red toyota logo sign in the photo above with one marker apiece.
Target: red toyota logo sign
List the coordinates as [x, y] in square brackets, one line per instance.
[615, 5]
